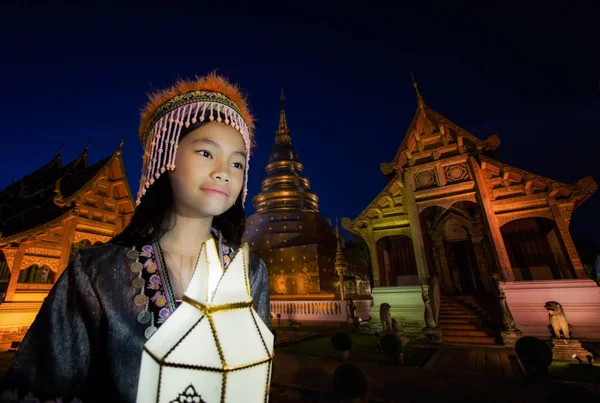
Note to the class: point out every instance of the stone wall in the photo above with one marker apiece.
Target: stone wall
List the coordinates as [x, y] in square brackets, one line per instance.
[580, 300]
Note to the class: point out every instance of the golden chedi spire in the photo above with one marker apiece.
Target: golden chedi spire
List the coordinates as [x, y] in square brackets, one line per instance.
[283, 132]
[285, 187]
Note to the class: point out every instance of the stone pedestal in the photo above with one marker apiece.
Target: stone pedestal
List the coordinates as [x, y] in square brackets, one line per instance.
[432, 335]
[568, 350]
[510, 337]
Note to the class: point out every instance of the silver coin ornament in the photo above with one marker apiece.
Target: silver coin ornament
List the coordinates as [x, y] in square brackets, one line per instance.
[150, 331]
[140, 300]
[144, 317]
[136, 267]
[133, 254]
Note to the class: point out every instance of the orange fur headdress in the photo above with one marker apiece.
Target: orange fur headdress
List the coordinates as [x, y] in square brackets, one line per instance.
[211, 98]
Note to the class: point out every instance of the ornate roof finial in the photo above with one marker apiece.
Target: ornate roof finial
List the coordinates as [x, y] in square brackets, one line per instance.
[340, 261]
[121, 143]
[420, 101]
[283, 132]
[87, 147]
[58, 196]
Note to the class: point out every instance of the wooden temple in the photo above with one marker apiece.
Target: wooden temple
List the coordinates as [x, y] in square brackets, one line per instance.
[45, 218]
[452, 209]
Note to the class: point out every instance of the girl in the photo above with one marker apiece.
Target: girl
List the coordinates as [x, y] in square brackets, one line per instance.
[86, 342]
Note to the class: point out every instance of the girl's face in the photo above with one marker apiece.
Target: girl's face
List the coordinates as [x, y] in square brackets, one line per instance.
[209, 171]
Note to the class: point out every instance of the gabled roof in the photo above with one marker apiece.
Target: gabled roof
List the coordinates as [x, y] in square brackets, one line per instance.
[29, 202]
[578, 192]
[426, 122]
[392, 189]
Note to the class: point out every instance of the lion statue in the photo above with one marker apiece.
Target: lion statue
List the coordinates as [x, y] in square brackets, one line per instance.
[559, 327]
[385, 316]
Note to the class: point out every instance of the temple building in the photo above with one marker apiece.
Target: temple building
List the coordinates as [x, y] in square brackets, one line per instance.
[452, 209]
[45, 218]
[286, 230]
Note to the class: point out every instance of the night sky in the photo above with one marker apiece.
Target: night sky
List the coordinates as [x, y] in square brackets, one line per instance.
[531, 76]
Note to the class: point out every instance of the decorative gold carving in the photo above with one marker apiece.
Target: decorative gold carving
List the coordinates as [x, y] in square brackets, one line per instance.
[425, 179]
[446, 202]
[388, 167]
[566, 210]
[58, 197]
[457, 173]
[9, 256]
[586, 185]
[92, 238]
[508, 217]
[43, 252]
[492, 142]
[50, 262]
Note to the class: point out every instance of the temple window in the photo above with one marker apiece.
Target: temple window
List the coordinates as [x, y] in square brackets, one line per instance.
[35, 274]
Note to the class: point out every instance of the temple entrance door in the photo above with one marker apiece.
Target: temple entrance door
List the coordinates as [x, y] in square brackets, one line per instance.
[463, 267]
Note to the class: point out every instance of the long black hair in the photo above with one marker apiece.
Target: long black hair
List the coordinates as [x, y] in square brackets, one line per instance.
[154, 216]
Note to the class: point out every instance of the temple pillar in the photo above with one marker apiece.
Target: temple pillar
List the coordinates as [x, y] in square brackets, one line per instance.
[562, 218]
[370, 239]
[415, 229]
[444, 268]
[482, 263]
[66, 241]
[564, 268]
[386, 265]
[15, 271]
[501, 256]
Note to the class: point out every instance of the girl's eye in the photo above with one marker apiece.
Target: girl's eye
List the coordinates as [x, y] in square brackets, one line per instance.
[205, 153]
[238, 165]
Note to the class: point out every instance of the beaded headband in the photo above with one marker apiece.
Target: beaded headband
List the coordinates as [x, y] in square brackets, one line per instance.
[211, 98]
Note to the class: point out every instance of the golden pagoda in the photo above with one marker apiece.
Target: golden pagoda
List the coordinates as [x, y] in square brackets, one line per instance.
[287, 231]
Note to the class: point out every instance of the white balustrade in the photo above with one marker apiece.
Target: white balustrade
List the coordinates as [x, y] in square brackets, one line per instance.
[310, 311]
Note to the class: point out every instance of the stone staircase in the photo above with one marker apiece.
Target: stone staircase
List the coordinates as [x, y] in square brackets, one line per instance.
[461, 320]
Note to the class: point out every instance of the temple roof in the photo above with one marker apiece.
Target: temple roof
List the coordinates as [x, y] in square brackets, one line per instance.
[29, 202]
[427, 124]
[504, 176]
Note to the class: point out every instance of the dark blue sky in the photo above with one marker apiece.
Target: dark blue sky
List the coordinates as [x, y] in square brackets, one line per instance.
[530, 75]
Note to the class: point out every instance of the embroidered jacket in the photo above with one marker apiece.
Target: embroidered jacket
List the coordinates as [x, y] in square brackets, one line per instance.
[86, 342]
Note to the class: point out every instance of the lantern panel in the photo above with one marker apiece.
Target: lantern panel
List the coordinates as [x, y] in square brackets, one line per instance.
[150, 370]
[182, 320]
[266, 334]
[176, 381]
[197, 348]
[248, 385]
[239, 338]
[234, 285]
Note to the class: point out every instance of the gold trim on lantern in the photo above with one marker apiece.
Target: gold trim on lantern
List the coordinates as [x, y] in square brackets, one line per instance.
[211, 309]
[203, 368]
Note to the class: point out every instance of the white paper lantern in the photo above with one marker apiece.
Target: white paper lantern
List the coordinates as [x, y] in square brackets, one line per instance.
[214, 347]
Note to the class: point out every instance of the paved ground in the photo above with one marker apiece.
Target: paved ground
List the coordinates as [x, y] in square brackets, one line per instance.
[493, 361]
[308, 379]
[452, 374]
[287, 337]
